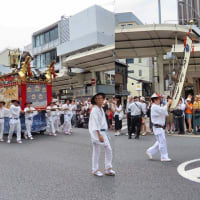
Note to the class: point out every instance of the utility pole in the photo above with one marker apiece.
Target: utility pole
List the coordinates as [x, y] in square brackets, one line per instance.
[159, 11]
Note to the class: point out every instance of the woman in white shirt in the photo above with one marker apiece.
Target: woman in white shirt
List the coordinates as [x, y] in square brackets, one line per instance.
[118, 117]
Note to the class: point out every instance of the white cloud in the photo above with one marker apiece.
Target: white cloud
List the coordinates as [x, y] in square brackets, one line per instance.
[19, 19]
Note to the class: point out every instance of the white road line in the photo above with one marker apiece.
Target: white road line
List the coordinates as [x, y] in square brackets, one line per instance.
[192, 174]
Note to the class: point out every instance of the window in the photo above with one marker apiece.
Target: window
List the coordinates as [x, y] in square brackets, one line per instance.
[42, 39]
[140, 60]
[129, 61]
[46, 37]
[37, 41]
[43, 60]
[129, 25]
[140, 72]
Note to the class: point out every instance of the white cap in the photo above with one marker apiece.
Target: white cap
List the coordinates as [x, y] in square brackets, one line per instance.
[155, 95]
[142, 98]
[188, 99]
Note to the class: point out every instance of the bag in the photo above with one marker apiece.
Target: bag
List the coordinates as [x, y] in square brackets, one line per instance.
[178, 113]
[121, 115]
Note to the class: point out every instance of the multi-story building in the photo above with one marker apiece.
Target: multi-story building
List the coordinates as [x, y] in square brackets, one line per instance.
[139, 69]
[46, 41]
[91, 42]
[189, 10]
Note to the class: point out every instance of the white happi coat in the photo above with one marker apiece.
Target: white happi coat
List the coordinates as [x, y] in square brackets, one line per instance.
[67, 118]
[15, 122]
[3, 112]
[158, 116]
[28, 120]
[97, 122]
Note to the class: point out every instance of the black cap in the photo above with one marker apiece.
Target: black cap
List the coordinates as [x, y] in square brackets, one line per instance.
[3, 102]
[93, 98]
[28, 102]
[14, 100]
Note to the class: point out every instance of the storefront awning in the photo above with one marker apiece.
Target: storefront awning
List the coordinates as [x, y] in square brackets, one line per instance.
[102, 57]
[148, 40]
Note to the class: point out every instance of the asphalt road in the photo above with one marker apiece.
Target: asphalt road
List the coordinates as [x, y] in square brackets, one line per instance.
[59, 168]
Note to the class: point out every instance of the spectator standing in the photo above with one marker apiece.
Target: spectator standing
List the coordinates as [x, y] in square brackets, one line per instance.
[117, 117]
[188, 112]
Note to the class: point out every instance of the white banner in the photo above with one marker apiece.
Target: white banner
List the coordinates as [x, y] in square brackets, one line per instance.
[179, 85]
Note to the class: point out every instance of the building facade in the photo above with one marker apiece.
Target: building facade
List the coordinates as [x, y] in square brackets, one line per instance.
[189, 10]
[46, 41]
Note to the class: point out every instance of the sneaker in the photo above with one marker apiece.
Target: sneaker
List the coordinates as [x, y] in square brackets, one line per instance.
[109, 172]
[98, 173]
[54, 134]
[31, 138]
[8, 141]
[1, 140]
[166, 159]
[126, 134]
[149, 155]
[144, 134]
[117, 133]
[19, 142]
[133, 134]
[25, 137]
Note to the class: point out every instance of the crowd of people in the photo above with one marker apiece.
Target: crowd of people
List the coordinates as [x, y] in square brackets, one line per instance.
[62, 116]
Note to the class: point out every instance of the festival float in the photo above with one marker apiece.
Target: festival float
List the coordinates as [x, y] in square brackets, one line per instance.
[24, 85]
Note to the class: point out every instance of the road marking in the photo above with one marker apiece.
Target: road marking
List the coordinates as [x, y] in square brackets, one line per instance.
[192, 174]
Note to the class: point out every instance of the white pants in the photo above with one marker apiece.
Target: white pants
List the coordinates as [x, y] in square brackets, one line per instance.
[67, 123]
[15, 125]
[97, 151]
[56, 122]
[160, 144]
[28, 123]
[1, 128]
[50, 125]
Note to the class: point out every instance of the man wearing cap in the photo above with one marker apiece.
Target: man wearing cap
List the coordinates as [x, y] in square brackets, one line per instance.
[136, 117]
[2, 115]
[15, 123]
[158, 116]
[67, 108]
[128, 114]
[28, 110]
[98, 131]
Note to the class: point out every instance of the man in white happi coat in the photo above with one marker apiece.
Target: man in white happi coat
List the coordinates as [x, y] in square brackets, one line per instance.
[56, 117]
[51, 113]
[15, 123]
[158, 117]
[3, 111]
[67, 108]
[98, 130]
[29, 114]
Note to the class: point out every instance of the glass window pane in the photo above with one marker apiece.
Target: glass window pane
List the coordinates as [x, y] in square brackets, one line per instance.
[46, 37]
[43, 61]
[56, 33]
[37, 41]
[42, 39]
[48, 58]
[52, 37]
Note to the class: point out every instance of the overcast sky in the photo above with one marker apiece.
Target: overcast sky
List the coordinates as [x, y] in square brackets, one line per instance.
[19, 19]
